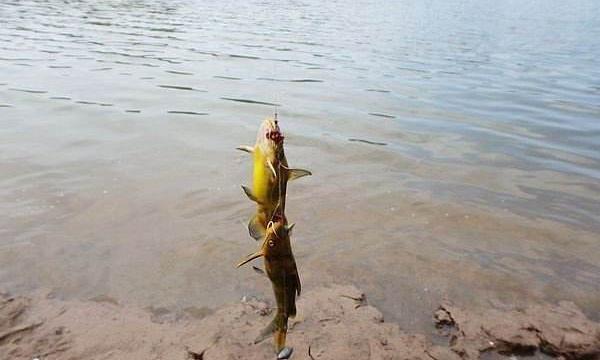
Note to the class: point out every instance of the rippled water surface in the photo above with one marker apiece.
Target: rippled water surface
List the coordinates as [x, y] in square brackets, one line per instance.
[455, 147]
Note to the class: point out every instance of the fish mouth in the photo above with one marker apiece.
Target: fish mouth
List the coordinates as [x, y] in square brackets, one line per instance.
[275, 135]
[270, 132]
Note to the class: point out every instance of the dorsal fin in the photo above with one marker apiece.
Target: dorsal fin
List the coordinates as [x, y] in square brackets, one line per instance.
[246, 148]
[249, 194]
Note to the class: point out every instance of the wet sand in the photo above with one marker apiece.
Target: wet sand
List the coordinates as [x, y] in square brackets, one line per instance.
[333, 323]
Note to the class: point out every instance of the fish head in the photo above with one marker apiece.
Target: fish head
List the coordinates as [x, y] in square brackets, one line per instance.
[277, 237]
[269, 135]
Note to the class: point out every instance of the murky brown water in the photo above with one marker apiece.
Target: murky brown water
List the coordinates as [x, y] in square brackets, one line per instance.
[119, 119]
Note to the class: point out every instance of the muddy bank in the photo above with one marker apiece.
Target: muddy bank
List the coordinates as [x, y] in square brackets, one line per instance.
[333, 323]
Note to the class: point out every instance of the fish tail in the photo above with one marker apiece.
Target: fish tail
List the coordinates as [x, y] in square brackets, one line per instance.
[280, 331]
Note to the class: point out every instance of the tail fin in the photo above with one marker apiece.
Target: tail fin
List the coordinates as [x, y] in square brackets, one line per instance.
[280, 331]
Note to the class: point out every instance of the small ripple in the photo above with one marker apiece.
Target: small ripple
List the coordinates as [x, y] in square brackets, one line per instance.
[367, 141]
[282, 60]
[291, 80]
[59, 98]
[378, 90]
[59, 66]
[99, 23]
[412, 70]
[5, 105]
[101, 69]
[160, 29]
[70, 35]
[383, 115]
[306, 80]
[244, 56]
[29, 91]
[177, 87]
[20, 59]
[135, 111]
[186, 112]
[226, 77]
[170, 61]
[248, 101]
[203, 52]
[179, 72]
[309, 43]
[309, 63]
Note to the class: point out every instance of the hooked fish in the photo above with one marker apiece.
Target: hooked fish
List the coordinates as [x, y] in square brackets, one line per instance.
[269, 176]
[281, 269]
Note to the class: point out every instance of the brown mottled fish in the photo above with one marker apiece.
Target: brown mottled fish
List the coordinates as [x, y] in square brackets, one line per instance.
[280, 267]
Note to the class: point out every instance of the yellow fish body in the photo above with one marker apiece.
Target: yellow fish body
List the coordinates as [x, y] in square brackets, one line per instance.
[270, 175]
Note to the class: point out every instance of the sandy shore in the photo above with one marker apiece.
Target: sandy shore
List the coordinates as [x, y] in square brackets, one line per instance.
[333, 323]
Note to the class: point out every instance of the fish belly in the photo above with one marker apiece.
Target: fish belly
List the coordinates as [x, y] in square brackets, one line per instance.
[261, 176]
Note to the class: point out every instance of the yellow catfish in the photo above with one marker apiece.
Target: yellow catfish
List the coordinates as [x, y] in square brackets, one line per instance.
[281, 269]
[269, 177]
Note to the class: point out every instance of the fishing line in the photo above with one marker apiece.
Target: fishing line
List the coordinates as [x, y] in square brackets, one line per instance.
[276, 97]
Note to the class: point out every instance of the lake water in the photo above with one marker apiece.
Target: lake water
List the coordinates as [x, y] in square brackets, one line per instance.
[479, 180]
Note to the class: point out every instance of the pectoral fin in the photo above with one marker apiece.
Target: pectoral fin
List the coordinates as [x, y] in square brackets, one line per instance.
[255, 228]
[272, 168]
[266, 332]
[289, 228]
[251, 257]
[294, 174]
[259, 271]
[246, 148]
[249, 194]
